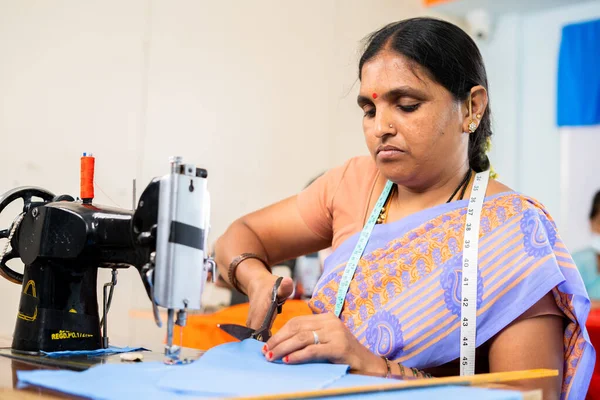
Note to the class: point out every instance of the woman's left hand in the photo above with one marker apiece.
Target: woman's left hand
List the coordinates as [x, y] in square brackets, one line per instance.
[295, 344]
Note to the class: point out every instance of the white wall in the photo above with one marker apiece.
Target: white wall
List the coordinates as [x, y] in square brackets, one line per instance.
[70, 81]
[256, 92]
[541, 46]
[522, 61]
[501, 59]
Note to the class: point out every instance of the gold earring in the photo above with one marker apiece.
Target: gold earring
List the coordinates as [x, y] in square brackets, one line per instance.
[472, 124]
[478, 116]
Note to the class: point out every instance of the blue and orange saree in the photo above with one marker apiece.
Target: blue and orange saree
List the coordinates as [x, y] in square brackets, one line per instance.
[404, 300]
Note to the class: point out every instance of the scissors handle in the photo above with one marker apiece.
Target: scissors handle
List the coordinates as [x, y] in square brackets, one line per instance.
[264, 332]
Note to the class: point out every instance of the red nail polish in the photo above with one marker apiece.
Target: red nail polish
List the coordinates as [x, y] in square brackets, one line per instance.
[286, 359]
[270, 355]
[265, 348]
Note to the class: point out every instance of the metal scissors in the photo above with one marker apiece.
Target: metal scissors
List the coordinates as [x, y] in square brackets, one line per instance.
[263, 333]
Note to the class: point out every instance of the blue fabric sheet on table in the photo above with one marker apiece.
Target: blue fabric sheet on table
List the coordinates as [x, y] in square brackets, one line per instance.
[229, 370]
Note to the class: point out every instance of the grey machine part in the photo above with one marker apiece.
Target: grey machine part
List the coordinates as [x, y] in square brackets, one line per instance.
[181, 261]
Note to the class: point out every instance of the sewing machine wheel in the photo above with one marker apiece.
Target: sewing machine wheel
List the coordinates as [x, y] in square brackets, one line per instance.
[27, 194]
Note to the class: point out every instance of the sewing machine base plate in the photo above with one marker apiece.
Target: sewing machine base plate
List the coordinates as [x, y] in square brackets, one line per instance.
[83, 362]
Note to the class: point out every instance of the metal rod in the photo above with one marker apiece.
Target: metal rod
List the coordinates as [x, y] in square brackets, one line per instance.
[112, 285]
[104, 319]
[170, 322]
[106, 301]
[133, 203]
[182, 321]
[181, 336]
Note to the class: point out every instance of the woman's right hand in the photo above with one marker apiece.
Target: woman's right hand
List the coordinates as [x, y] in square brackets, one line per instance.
[260, 292]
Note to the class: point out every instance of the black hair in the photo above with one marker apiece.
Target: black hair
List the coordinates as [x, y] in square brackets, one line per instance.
[595, 205]
[449, 56]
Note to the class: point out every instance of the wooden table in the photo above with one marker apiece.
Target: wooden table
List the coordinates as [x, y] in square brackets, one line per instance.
[8, 379]
[8, 382]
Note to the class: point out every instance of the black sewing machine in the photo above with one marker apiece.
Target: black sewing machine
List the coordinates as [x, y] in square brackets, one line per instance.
[62, 243]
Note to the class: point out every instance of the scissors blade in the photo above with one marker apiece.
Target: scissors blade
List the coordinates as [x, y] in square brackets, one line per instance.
[264, 332]
[237, 331]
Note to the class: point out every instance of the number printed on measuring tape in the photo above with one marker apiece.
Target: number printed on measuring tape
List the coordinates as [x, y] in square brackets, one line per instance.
[468, 310]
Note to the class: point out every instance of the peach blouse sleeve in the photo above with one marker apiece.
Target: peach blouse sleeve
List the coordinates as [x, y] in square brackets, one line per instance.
[315, 203]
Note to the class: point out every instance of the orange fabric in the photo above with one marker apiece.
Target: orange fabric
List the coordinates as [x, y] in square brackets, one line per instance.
[429, 3]
[201, 331]
[335, 205]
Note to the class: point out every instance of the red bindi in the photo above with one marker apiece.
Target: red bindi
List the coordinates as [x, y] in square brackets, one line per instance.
[374, 95]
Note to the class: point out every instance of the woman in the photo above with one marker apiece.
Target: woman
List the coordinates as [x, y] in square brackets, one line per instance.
[426, 124]
[588, 260]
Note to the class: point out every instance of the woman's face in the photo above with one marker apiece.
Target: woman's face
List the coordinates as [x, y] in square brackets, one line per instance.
[413, 126]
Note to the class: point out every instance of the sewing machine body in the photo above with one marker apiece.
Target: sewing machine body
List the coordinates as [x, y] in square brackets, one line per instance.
[181, 239]
[63, 242]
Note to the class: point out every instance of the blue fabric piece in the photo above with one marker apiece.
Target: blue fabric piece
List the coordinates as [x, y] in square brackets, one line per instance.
[210, 376]
[110, 350]
[578, 89]
[105, 382]
[244, 364]
[228, 370]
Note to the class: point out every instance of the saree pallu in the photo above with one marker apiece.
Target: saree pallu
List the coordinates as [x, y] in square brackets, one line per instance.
[404, 301]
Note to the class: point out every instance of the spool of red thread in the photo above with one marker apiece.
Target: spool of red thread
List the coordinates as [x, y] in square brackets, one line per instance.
[86, 187]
